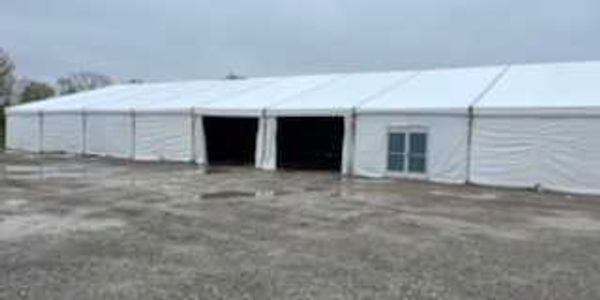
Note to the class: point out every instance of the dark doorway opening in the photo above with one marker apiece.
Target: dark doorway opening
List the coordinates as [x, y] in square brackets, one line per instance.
[230, 141]
[310, 142]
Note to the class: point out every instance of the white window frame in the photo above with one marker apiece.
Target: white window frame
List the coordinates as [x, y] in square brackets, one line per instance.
[407, 131]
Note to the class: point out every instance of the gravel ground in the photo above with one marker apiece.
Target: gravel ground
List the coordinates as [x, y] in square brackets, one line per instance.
[90, 228]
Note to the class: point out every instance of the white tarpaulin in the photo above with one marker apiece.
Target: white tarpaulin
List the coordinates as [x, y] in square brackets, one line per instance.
[435, 102]
[266, 144]
[62, 132]
[23, 132]
[163, 136]
[109, 134]
[539, 127]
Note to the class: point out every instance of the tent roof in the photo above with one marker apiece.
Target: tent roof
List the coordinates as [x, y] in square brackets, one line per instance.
[341, 94]
[151, 95]
[75, 101]
[437, 90]
[255, 101]
[203, 94]
[566, 87]
[545, 87]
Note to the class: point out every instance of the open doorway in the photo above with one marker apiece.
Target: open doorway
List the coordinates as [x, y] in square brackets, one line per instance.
[310, 142]
[229, 140]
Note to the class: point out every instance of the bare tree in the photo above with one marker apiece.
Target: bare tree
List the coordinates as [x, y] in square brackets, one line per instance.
[82, 81]
[36, 91]
[7, 77]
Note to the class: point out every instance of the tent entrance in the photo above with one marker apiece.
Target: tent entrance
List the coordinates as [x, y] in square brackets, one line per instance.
[310, 142]
[230, 141]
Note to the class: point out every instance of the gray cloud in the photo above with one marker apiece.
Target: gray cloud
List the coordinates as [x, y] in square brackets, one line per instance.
[184, 39]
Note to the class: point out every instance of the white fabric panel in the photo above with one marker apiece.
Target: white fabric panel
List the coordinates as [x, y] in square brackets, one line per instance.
[436, 90]
[341, 94]
[254, 101]
[62, 132]
[504, 151]
[561, 154]
[73, 101]
[260, 143]
[447, 144]
[199, 141]
[266, 144]
[109, 134]
[571, 155]
[150, 94]
[163, 136]
[23, 132]
[347, 145]
[207, 92]
[557, 85]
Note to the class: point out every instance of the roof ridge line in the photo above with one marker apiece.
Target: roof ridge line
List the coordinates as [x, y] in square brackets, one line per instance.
[388, 89]
[490, 86]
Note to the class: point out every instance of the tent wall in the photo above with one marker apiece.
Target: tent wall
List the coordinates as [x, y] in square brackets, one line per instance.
[109, 134]
[348, 144]
[199, 153]
[163, 136]
[266, 144]
[62, 132]
[557, 153]
[447, 144]
[23, 132]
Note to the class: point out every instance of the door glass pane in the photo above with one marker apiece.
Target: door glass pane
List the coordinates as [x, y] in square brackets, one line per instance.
[418, 143]
[396, 162]
[416, 164]
[396, 143]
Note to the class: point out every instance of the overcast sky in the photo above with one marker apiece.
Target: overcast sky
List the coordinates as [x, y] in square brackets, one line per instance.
[186, 39]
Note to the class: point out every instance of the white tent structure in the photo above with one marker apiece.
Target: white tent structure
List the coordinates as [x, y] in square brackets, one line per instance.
[433, 103]
[339, 98]
[517, 126]
[539, 126]
[254, 104]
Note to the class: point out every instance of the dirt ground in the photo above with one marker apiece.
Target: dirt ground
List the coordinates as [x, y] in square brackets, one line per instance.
[90, 228]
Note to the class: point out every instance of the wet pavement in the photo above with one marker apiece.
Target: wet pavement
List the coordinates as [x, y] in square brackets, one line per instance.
[91, 228]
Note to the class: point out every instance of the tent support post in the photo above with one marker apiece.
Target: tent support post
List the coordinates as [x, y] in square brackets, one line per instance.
[262, 130]
[133, 133]
[193, 137]
[83, 132]
[41, 128]
[471, 120]
[351, 144]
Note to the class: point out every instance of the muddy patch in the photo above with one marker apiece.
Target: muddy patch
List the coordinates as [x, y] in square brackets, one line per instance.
[22, 226]
[243, 194]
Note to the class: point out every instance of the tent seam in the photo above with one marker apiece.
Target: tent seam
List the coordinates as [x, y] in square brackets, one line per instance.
[490, 86]
[309, 90]
[387, 89]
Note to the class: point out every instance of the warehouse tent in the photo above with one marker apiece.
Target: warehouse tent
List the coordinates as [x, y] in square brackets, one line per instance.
[433, 104]
[518, 126]
[334, 100]
[55, 124]
[253, 104]
[172, 130]
[110, 124]
[539, 127]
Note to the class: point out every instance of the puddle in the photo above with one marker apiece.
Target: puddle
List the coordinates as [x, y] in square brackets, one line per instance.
[241, 194]
[469, 196]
